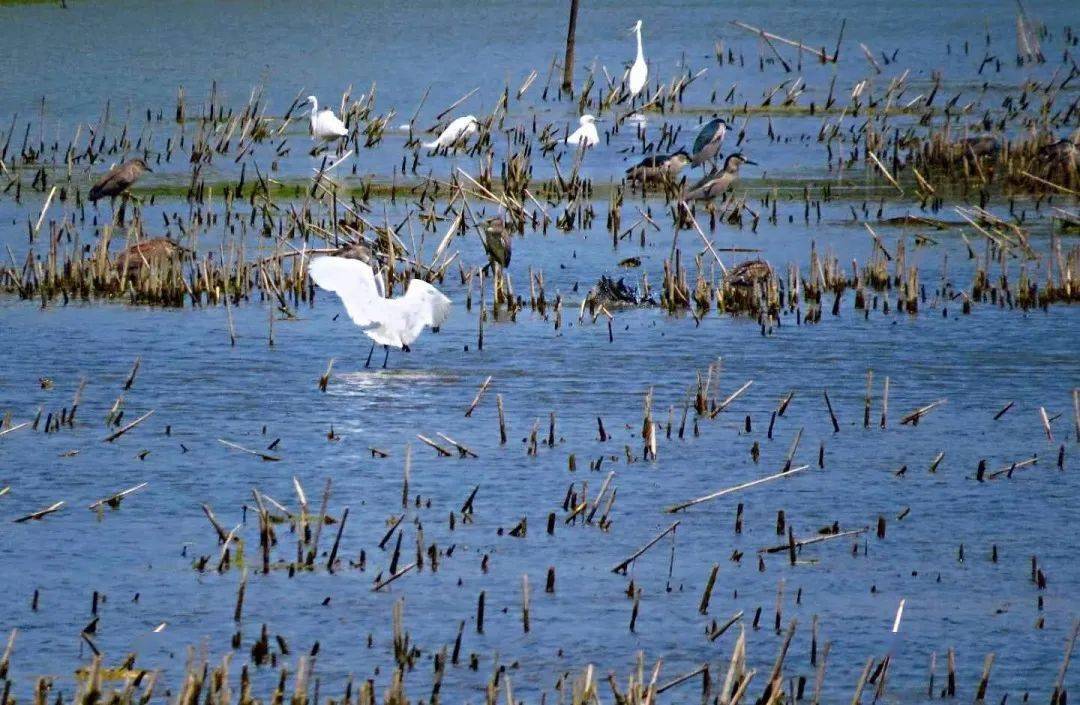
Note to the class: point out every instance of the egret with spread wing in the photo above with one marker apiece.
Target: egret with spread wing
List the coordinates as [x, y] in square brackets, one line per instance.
[394, 322]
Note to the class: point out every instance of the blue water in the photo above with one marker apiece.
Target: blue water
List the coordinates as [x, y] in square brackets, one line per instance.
[135, 54]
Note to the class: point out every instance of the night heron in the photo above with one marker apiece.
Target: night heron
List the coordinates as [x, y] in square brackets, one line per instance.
[119, 179]
[716, 183]
[155, 252]
[325, 125]
[748, 273]
[498, 242]
[639, 72]
[980, 146]
[389, 322]
[1063, 155]
[707, 144]
[658, 166]
[586, 134]
[457, 131]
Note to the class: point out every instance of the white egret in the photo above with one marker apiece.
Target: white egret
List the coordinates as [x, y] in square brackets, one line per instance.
[457, 131]
[325, 125]
[586, 134]
[639, 72]
[393, 322]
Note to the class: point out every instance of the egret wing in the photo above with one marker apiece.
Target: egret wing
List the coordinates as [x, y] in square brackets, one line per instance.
[430, 306]
[354, 283]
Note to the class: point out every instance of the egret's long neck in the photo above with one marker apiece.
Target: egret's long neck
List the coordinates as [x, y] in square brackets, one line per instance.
[640, 52]
[314, 106]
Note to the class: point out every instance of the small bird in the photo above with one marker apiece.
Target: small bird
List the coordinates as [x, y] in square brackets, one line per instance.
[325, 125]
[658, 166]
[707, 144]
[586, 134]
[457, 131]
[118, 179]
[639, 72]
[716, 183]
[498, 242]
[389, 322]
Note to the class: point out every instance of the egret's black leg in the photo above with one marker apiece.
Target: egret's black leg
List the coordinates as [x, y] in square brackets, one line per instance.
[368, 363]
[386, 356]
[406, 348]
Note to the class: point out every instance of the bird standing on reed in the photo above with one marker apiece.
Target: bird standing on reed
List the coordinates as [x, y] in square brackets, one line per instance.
[707, 144]
[118, 179]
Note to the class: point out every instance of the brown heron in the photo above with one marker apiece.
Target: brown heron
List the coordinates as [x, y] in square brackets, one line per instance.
[498, 242]
[716, 183]
[119, 179]
[748, 273]
[155, 252]
[658, 166]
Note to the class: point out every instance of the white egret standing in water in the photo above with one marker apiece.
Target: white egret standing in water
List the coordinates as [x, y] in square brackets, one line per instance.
[586, 135]
[325, 125]
[389, 322]
[456, 131]
[639, 72]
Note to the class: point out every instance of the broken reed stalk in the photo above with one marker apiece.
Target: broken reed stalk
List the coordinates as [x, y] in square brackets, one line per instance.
[621, 567]
[817, 539]
[383, 583]
[257, 453]
[116, 434]
[568, 61]
[914, 417]
[40, 514]
[715, 495]
[479, 395]
[114, 500]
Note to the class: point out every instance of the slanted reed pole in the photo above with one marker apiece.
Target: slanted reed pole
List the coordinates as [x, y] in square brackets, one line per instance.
[568, 62]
